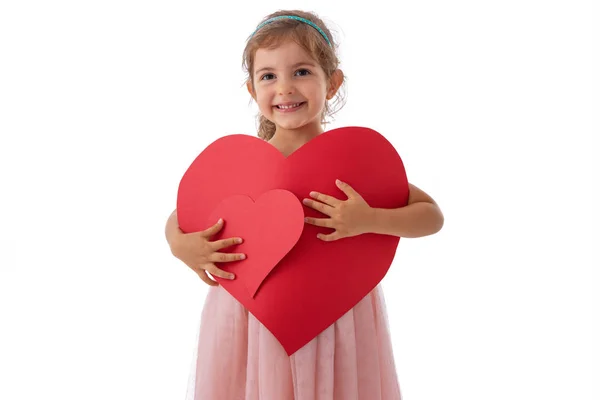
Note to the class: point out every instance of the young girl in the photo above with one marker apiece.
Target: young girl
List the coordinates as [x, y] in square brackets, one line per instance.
[292, 75]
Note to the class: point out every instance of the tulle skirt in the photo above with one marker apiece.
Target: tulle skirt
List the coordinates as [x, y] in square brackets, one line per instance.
[237, 358]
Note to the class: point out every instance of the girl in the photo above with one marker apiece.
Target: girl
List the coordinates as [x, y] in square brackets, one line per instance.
[292, 75]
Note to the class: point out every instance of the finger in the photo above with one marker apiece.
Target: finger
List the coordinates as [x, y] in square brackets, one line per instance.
[213, 229]
[326, 222]
[347, 189]
[324, 208]
[226, 257]
[202, 274]
[215, 271]
[323, 198]
[223, 243]
[329, 238]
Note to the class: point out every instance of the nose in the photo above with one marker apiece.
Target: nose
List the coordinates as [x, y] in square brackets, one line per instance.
[285, 86]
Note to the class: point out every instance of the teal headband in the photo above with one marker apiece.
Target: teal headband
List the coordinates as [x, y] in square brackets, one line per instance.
[297, 19]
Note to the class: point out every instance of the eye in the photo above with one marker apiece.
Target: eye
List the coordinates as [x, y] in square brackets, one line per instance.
[304, 70]
[265, 75]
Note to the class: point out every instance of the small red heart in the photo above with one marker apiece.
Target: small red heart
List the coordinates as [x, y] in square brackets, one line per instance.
[317, 282]
[269, 227]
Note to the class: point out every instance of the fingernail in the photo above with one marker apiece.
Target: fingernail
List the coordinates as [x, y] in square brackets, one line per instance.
[338, 181]
[220, 220]
[231, 276]
[238, 240]
[243, 256]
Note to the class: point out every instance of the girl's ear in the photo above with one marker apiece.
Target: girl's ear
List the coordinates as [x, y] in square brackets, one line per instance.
[250, 89]
[337, 78]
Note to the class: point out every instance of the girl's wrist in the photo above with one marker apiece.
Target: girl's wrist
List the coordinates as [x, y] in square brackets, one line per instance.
[374, 219]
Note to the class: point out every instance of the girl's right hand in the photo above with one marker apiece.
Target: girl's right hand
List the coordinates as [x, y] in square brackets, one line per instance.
[199, 253]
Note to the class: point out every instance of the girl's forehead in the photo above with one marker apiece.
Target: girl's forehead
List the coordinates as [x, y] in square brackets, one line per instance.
[289, 53]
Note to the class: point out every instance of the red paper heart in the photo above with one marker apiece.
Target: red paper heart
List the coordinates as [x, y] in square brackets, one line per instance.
[270, 227]
[316, 282]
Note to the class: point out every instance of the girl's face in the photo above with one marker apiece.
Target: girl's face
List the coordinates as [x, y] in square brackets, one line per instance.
[290, 87]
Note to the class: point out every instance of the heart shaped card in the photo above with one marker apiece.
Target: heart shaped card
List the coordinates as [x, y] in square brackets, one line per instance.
[295, 284]
[270, 227]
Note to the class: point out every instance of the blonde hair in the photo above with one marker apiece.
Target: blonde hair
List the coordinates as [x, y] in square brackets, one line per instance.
[275, 33]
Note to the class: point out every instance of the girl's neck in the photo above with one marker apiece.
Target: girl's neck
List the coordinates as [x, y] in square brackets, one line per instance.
[288, 141]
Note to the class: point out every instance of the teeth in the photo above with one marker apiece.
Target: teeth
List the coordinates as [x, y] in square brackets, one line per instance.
[290, 106]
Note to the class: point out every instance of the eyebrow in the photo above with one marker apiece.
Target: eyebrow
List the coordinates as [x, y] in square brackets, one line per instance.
[293, 66]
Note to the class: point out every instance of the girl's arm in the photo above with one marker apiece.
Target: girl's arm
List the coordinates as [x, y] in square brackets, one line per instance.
[420, 217]
[172, 229]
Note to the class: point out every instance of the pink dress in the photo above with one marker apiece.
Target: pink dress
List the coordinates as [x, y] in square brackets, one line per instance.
[237, 358]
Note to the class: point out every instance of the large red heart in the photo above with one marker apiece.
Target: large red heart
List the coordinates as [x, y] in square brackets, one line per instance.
[270, 227]
[316, 282]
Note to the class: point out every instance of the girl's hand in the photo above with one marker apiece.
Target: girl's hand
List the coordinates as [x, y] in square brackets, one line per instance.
[200, 254]
[349, 217]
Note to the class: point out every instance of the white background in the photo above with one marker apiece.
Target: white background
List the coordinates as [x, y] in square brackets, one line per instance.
[103, 106]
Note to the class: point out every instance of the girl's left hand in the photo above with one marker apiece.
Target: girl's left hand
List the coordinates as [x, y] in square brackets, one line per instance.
[349, 217]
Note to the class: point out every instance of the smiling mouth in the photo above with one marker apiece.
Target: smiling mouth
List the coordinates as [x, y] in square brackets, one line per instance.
[290, 107]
